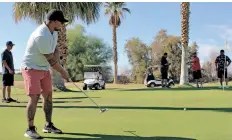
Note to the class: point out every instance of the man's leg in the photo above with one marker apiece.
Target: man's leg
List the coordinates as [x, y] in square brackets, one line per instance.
[8, 91]
[199, 78]
[47, 106]
[162, 77]
[165, 81]
[4, 100]
[162, 82]
[221, 80]
[31, 109]
[10, 83]
[4, 92]
[226, 79]
[46, 85]
[33, 89]
[194, 77]
[9, 94]
[166, 78]
[220, 76]
[4, 83]
[196, 81]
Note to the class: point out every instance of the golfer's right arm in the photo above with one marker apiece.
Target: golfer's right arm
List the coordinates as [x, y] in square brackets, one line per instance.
[4, 62]
[45, 48]
[216, 63]
[54, 63]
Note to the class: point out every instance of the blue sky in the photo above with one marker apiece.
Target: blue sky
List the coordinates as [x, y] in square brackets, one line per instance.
[210, 24]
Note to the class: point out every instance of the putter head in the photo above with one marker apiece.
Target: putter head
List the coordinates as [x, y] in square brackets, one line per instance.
[104, 110]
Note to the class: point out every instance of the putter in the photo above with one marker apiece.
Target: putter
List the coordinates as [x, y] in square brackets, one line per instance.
[102, 110]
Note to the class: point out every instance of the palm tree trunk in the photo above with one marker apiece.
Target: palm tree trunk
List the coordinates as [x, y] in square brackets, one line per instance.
[184, 68]
[115, 54]
[58, 81]
[184, 40]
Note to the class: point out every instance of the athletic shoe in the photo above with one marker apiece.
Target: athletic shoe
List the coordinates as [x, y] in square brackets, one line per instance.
[31, 133]
[220, 86]
[4, 100]
[11, 100]
[50, 128]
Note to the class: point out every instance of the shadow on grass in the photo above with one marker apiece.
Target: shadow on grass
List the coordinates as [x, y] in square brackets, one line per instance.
[64, 98]
[131, 108]
[113, 88]
[115, 137]
[66, 90]
[57, 102]
[175, 89]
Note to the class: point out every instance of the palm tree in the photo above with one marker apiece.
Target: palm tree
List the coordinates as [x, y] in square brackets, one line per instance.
[185, 12]
[116, 11]
[86, 11]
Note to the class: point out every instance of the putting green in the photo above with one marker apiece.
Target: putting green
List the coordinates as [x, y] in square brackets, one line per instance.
[135, 112]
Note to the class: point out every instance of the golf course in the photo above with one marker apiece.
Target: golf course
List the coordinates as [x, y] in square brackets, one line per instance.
[135, 112]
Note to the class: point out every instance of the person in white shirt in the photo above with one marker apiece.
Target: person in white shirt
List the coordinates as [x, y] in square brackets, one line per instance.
[40, 55]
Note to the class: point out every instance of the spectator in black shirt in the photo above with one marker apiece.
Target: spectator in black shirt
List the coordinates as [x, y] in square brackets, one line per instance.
[164, 69]
[222, 62]
[7, 72]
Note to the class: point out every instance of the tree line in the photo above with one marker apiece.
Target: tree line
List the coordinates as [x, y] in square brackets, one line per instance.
[141, 55]
[89, 13]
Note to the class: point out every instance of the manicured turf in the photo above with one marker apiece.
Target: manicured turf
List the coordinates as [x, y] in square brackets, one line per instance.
[135, 112]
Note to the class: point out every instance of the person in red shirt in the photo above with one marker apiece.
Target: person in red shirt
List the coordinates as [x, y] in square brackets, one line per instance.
[196, 68]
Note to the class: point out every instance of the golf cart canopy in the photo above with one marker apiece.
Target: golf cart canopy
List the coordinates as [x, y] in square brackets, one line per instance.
[92, 68]
[93, 71]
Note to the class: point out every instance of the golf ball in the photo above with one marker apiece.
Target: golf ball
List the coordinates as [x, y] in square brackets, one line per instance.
[184, 108]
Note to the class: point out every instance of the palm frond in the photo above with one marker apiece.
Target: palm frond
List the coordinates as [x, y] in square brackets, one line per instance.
[116, 10]
[86, 11]
[126, 9]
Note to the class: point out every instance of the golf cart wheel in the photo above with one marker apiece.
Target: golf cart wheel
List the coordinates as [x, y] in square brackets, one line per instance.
[171, 85]
[103, 87]
[85, 87]
[97, 86]
[152, 85]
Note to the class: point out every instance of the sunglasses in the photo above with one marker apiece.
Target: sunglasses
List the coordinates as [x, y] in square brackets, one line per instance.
[11, 45]
[63, 23]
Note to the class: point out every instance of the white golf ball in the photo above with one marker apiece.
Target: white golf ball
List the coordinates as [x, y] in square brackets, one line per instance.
[184, 108]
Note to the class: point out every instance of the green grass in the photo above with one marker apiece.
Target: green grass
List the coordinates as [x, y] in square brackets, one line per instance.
[135, 112]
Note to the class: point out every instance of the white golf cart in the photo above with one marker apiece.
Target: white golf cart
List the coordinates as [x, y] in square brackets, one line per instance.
[150, 80]
[93, 78]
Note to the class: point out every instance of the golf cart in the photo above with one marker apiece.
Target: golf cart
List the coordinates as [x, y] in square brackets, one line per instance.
[93, 78]
[150, 80]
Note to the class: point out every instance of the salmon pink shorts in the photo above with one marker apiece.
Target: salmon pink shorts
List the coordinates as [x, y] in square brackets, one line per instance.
[37, 81]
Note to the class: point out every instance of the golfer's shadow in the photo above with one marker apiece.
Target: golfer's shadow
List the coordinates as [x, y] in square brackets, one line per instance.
[114, 137]
[72, 98]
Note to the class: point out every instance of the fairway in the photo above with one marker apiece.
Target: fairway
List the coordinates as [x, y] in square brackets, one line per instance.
[135, 112]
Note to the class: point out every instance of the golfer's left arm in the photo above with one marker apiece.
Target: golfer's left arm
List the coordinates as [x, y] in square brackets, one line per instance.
[57, 54]
[228, 59]
[216, 63]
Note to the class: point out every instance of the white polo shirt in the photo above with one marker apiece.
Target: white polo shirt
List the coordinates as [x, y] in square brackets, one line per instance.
[41, 41]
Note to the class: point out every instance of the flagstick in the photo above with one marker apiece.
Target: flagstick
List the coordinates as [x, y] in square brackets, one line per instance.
[225, 64]
[224, 68]
[224, 73]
